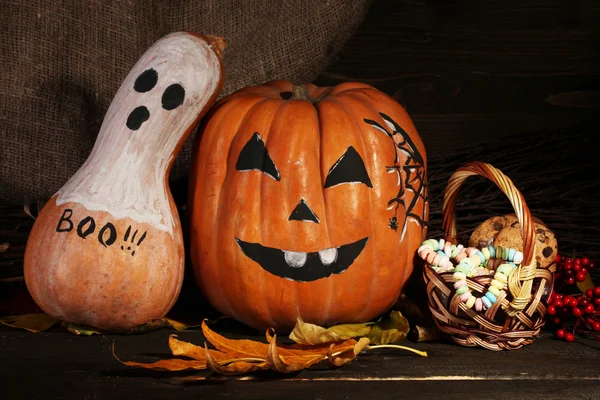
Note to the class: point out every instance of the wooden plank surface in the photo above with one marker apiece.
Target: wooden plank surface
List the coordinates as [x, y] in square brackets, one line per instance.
[60, 364]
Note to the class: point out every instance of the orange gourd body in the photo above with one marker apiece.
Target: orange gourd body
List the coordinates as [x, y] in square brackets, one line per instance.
[306, 201]
[107, 249]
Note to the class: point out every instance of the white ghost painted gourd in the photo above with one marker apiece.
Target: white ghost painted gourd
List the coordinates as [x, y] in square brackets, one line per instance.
[107, 250]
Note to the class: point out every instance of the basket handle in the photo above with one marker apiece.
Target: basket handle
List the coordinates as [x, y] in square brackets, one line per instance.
[520, 282]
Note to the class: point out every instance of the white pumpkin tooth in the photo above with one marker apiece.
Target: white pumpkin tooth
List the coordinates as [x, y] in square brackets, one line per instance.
[295, 259]
[328, 256]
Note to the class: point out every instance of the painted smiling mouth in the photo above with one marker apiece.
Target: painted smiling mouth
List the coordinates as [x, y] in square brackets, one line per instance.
[302, 266]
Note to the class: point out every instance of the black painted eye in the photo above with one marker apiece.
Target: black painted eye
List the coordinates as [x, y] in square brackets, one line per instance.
[254, 156]
[173, 96]
[146, 81]
[137, 117]
[349, 168]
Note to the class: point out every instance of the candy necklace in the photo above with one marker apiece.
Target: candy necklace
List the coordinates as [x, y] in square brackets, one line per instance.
[443, 256]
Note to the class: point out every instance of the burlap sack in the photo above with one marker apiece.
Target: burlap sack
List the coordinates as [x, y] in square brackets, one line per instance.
[63, 61]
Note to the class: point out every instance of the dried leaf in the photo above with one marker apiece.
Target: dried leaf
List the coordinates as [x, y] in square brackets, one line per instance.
[178, 325]
[235, 348]
[31, 322]
[586, 284]
[172, 364]
[427, 333]
[235, 367]
[345, 357]
[80, 329]
[4, 247]
[276, 362]
[391, 330]
[311, 334]
[186, 349]
[288, 352]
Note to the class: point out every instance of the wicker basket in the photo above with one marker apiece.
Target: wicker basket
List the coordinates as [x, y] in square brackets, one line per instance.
[516, 317]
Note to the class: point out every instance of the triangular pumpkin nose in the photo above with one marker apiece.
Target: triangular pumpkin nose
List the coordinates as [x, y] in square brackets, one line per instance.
[302, 212]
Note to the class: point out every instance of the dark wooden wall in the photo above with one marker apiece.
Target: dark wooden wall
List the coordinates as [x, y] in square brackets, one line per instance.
[471, 70]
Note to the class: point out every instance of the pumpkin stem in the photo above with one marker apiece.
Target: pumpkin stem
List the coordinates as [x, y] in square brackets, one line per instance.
[300, 92]
[217, 43]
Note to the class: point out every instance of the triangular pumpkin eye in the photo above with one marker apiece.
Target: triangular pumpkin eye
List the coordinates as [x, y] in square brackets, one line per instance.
[254, 156]
[349, 168]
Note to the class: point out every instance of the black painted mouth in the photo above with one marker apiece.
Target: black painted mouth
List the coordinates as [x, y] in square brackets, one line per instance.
[301, 266]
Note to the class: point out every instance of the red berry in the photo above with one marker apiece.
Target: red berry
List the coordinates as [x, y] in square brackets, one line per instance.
[590, 321]
[585, 261]
[551, 310]
[591, 266]
[567, 299]
[570, 281]
[573, 302]
[597, 301]
[567, 267]
[577, 312]
[560, 333]
[577, 267]
[577, 261]
[580, 277]
[569, 336]
[583, 301]
[597, 326]
[558, 302]
[557, 258]
[557, 320]
[589, 309]
[597, 291]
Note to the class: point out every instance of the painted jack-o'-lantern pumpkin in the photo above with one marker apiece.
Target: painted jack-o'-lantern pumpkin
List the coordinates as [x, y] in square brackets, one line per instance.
[107, 248]
[306, 201]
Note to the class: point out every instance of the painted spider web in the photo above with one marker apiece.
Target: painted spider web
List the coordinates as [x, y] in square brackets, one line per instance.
[412, 177]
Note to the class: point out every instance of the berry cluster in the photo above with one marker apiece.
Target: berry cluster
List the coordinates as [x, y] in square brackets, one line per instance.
[571, 310]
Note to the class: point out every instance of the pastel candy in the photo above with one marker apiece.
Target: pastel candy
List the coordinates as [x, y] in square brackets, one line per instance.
[462, 290]
[448, 250]
[494, 290]
[505, 269]
[479, 304]
[465, 296]
[501, 277]
[518, 259]
[471, 302]
[459, 275]
[486, 302]
[460, 256]
[505, 252]
[486, 253]
[490, 296]
[492, 251]
[511, 254]
[459, 284]
[497, 284]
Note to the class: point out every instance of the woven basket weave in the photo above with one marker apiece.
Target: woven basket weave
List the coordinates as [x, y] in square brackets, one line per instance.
[515, 319]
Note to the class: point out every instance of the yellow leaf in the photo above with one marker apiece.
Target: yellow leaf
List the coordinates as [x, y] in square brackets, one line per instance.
[311, 334]
[31, 322]
[80, 329]
[586, 284]
[391, 330]
[178, 325]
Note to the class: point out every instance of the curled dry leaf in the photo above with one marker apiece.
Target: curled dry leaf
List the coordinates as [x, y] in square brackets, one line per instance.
[342, 358]
[277, 363]
[235, 367]
[427, 333]
[4, 247]
[391, 330]
[172, 364]
[32, 322]
[311, 334]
